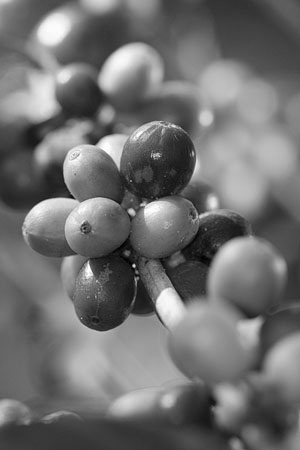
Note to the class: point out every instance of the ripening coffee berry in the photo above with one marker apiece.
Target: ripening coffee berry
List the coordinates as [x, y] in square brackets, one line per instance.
[97, 227]
[76, 89]
[44, 226]
[131, 73]
[90, 172]
[104, 293]
[250, 273]
[215, 228]
[158, 160]
[163, 227]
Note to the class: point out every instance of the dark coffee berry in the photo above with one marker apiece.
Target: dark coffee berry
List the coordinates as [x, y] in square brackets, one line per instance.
[216, 228]
[104, 293]
[158, 160]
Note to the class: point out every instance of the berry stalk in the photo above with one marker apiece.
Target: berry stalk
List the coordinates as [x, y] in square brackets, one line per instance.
[168, 304]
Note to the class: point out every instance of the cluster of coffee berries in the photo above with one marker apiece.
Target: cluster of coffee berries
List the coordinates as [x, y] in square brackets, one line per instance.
[141, 234]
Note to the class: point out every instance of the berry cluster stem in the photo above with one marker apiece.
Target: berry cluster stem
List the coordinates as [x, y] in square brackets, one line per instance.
[168, 304]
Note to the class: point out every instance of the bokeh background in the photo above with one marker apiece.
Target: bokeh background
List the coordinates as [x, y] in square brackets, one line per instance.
[244, 55]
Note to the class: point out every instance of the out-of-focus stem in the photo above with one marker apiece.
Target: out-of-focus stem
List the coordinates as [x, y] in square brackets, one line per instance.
[168, 304]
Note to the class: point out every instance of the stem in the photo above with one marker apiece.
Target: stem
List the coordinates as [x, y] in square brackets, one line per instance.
[168, 304]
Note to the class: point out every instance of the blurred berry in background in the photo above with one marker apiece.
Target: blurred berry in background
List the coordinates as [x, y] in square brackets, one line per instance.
[228, 73]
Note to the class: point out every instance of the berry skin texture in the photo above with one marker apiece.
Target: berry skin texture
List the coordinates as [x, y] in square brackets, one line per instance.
[206, 344]
[158, 160]
[90, 172]
[131, 73]
[77, 91]
[44, 226]
[215, 228]
[97, 227]
[163, 227]
[105, 292]
[249, 273]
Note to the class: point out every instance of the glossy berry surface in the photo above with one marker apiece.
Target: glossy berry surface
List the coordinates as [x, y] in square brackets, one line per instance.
[163, 227]
[105, 292]
[76, 89]
[250, 273]
[158, 159]
[90, 172]
[44, 226]
[97, 227]
[215, 228]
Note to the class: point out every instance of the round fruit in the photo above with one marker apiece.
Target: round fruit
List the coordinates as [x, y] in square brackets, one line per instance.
[90, 172]
[105, 292]
[44, 226]
[76, 89]
[158, 159]
[69, 270]
[113, 145]
[202, 195]
[250, 273]
[163, 227]
[189, 279]
[206, 344]
[97, 227]
[130, 74]
[215, 228]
